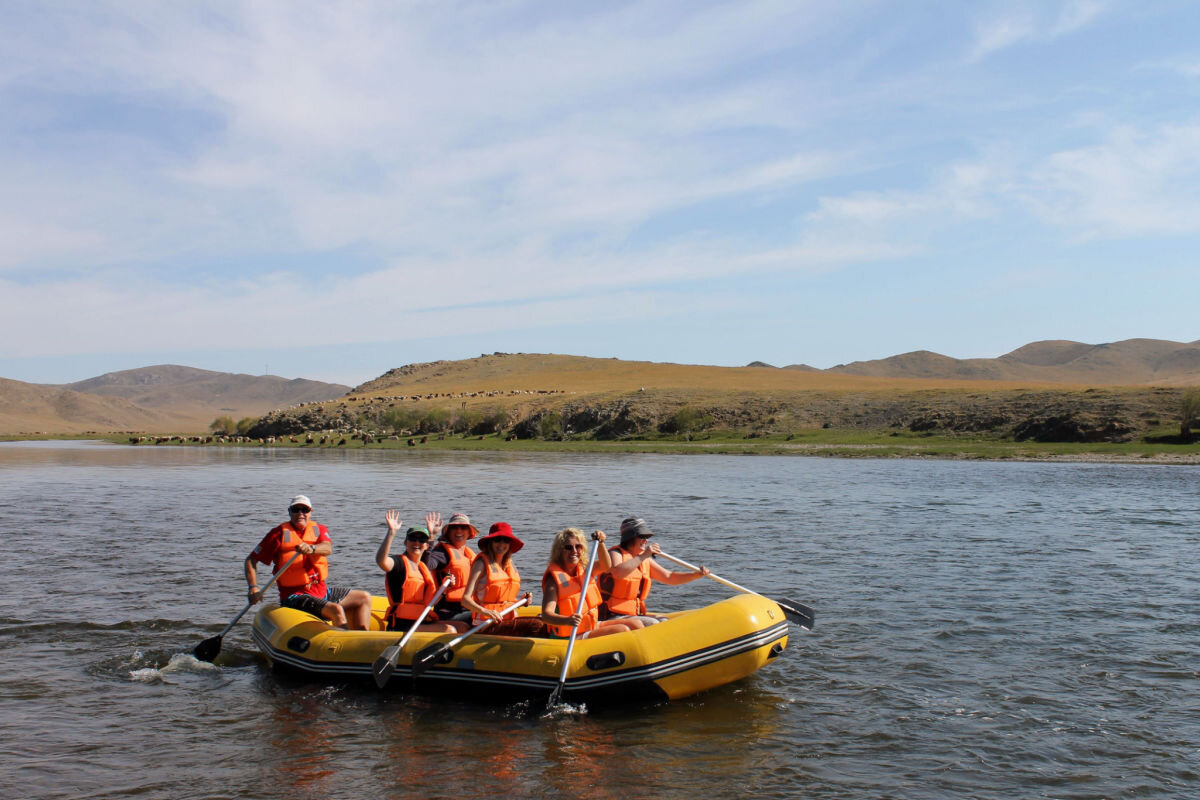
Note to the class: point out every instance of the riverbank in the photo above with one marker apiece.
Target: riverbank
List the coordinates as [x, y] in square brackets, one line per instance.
[817, 443]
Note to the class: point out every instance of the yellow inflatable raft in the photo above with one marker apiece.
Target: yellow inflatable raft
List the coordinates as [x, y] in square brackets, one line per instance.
[690, 652]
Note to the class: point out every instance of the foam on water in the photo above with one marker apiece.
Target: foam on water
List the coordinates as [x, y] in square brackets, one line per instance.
[180, 663]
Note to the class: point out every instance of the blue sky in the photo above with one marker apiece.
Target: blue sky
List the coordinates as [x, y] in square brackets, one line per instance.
[329, 190]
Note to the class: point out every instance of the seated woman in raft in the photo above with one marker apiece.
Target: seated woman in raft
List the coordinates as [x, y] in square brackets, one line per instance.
[562, 589]
[494, 584]
[409, 583]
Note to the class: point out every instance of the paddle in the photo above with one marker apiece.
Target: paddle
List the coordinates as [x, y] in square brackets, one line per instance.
[209, 648]
[562, 678]
[426, 657]
[385, 665]
[798, 613]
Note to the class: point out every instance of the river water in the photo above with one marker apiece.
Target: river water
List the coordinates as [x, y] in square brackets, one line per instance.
[984, 630]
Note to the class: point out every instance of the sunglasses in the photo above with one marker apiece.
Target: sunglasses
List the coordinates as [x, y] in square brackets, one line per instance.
[299, 510]
[572, 547]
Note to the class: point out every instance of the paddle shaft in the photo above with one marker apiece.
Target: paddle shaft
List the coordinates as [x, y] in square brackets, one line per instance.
[587, 578]
[715, 577]
[458, 640]
[263, 590]
[386, 663]
[802, 614]
[421, 617]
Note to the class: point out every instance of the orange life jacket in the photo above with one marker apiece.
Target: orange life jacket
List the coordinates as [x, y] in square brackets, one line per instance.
[309, 570]
[409, 599]
[498, 588]
[458, 565]
[626, 595]
[569, 586]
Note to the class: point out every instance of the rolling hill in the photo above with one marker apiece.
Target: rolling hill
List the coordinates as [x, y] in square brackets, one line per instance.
[1047, 391]
[1132, 362]
[165, 398]
[34, 408]
[921, 389]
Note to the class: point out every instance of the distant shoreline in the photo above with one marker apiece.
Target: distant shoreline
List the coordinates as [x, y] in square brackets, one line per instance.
[830, 445]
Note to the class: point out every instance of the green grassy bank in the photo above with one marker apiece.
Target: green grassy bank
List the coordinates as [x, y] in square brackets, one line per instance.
[816, 442]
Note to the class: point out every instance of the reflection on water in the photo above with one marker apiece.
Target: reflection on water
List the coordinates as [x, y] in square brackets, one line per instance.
[985, 630]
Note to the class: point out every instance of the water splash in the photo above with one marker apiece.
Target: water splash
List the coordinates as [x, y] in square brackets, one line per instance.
[179, 664]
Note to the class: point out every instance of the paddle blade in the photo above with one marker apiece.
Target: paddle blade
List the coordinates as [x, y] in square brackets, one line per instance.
[426, 657]
[208, 649]
[385, 665]
[798, 613]
[555, 696]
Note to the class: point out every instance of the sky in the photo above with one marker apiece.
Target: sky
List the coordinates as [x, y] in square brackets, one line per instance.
[329, 190]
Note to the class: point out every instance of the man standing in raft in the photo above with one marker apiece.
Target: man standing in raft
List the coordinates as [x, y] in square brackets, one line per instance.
[302, 585]
[627, 584]
[451, 556]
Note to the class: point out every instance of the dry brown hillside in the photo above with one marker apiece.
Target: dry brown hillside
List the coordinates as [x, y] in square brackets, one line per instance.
[503, 373]
[1132, 362]
[204, 394]
[32, 408]
[161, 399]
[550, 396]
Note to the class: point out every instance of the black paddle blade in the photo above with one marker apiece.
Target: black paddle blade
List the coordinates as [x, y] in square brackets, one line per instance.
[385, 665]
[208, 649]
[426, 657]
[555, 696]
[798, 613]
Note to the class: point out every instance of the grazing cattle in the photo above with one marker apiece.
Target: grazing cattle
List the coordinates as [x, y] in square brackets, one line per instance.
[424, 439]
[322, 440]
[342, 442]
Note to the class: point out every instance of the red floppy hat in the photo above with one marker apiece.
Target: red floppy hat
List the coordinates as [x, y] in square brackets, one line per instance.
[502, 530]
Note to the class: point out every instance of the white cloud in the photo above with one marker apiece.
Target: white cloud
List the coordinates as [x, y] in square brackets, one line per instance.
[1038, 22]
[530, 156]
[896, 222]
[1138, 182]
[24, 239]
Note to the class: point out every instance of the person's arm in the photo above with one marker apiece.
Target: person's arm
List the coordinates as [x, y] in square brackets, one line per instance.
[436, 559]
[623, 564]
[663, 575]
[383, 555]
[265, 552]
[323, 547]
[253, 594]
[468, 601]
[603, 557]
[550, 613]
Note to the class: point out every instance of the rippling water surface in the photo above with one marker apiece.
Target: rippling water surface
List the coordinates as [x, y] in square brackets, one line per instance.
[986, 630]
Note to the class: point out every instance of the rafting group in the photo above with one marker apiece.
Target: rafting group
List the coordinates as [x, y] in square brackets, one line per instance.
[439, 584]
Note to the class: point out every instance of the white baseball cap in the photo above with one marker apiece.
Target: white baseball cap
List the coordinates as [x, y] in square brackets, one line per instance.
[300, 500]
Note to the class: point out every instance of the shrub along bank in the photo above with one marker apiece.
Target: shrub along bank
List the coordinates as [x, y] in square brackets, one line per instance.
[1109, 415]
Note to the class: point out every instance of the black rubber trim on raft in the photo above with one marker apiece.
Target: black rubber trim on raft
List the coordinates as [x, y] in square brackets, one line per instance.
[631, 675]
